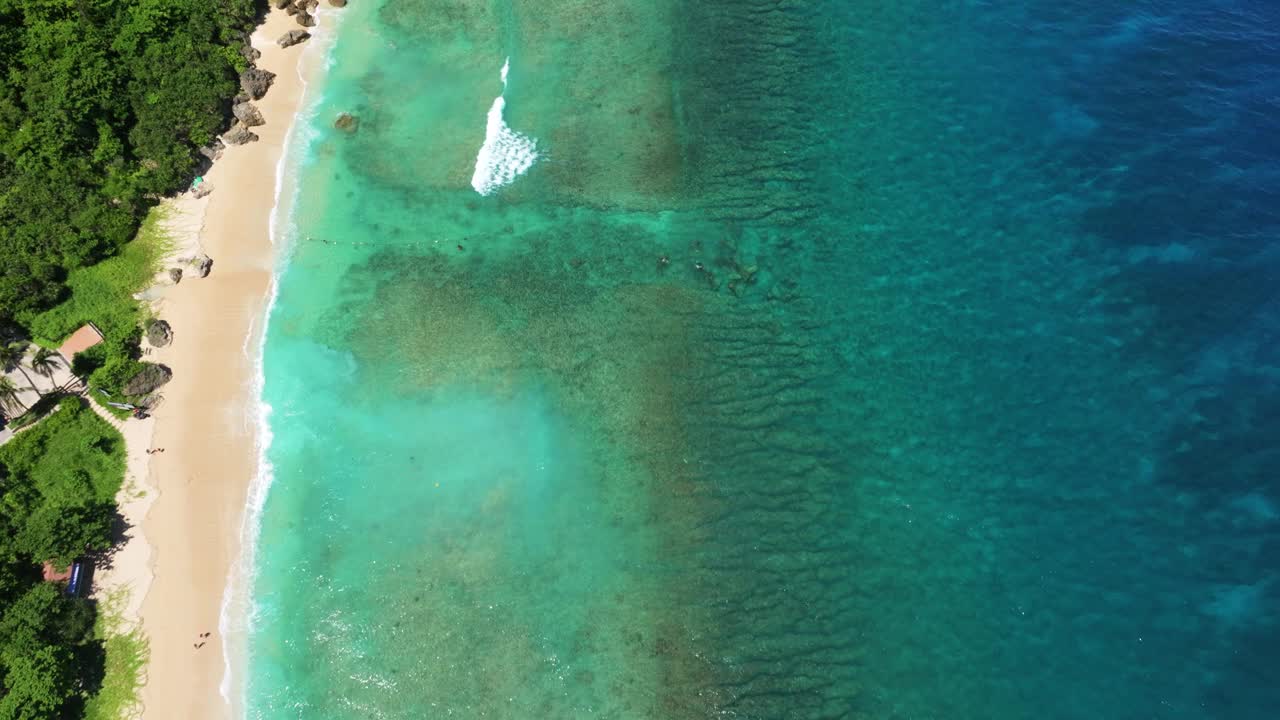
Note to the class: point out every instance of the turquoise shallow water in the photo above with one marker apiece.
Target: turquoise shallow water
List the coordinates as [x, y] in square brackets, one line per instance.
[831, 360]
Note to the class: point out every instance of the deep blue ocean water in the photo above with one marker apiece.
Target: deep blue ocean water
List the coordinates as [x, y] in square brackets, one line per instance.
[832, 360]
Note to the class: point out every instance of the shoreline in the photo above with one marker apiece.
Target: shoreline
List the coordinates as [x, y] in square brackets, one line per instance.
[192, 517]
[235, 602]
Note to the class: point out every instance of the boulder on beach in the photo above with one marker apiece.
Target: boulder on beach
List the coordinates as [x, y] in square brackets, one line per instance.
[175, 274]
[202, 190]
[159, 333]
[347, 122]
[250, 53]
[214, 150]
[292, 8]
[248, 114]
[338, 3]
[256, 82]
[204, 264]
[293, 37]
[305, 19]
[239, 135]
[151, 377]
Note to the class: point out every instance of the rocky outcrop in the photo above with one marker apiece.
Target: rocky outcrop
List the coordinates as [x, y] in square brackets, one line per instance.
[248, 114]
[159, 333]
[204, 264]
[239, 135]
[293, 7]
[175, 274]
[293, 37]
[151, 377]
[347, 122]
[305, 19]
[250, 53]
[214, 150]
[256, 81]
[202, 190]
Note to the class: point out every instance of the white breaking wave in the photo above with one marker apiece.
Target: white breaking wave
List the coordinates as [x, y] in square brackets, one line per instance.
[505, 154]
[236, 614]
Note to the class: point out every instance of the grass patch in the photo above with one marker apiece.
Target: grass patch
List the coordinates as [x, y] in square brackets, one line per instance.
[127, 651]
[71, 451]
[103, 293]
[101, 401]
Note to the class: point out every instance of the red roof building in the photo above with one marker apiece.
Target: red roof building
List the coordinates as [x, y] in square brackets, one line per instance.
[80, 340]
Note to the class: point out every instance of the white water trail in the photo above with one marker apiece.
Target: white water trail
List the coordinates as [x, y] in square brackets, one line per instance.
[505, 154]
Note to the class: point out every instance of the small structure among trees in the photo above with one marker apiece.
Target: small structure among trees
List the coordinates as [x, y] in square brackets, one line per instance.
[60, 479]
[79, 341]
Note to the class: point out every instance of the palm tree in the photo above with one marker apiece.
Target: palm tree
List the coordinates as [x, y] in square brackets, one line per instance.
[11, 357]
[44, 361]
[9, 395]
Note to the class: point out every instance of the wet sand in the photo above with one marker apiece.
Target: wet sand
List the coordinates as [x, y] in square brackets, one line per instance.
[206, 423]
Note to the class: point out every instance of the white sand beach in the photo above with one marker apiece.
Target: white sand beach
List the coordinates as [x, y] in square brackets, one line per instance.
[186, 523]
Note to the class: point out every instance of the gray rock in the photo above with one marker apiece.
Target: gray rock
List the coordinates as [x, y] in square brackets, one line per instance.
[175, 274]
[338, 3]
[305, 19]
[347, 122]
[308, 5]
[293, 37]
[292, 8]
[151, 377]
[239, 135]
[204, 264]
[202, 190]
[248, 114]
[250, 53]
[256, 82]
[159, 333]
[214, 151]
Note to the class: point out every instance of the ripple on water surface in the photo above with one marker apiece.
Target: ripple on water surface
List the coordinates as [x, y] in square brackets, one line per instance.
[813, 370]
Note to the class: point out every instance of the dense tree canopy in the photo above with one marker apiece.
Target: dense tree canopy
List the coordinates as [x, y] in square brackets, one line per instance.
[58, 482]
[41, 635]
[103, 104]
[58, 486]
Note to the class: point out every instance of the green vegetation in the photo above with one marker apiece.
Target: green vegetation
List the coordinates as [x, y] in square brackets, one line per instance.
[59, 480]
[9, 401]
[126, 650]
[103, 104]
[48, 653]
[38, 409]
[103, 293]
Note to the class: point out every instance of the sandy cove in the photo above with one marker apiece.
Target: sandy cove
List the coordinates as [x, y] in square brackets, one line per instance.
[196, 488]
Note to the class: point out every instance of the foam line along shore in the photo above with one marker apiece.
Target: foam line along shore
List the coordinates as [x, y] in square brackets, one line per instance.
[208, 423]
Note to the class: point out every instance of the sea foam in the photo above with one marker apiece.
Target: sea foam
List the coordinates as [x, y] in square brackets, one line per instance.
[237, 610]
[505, 154]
